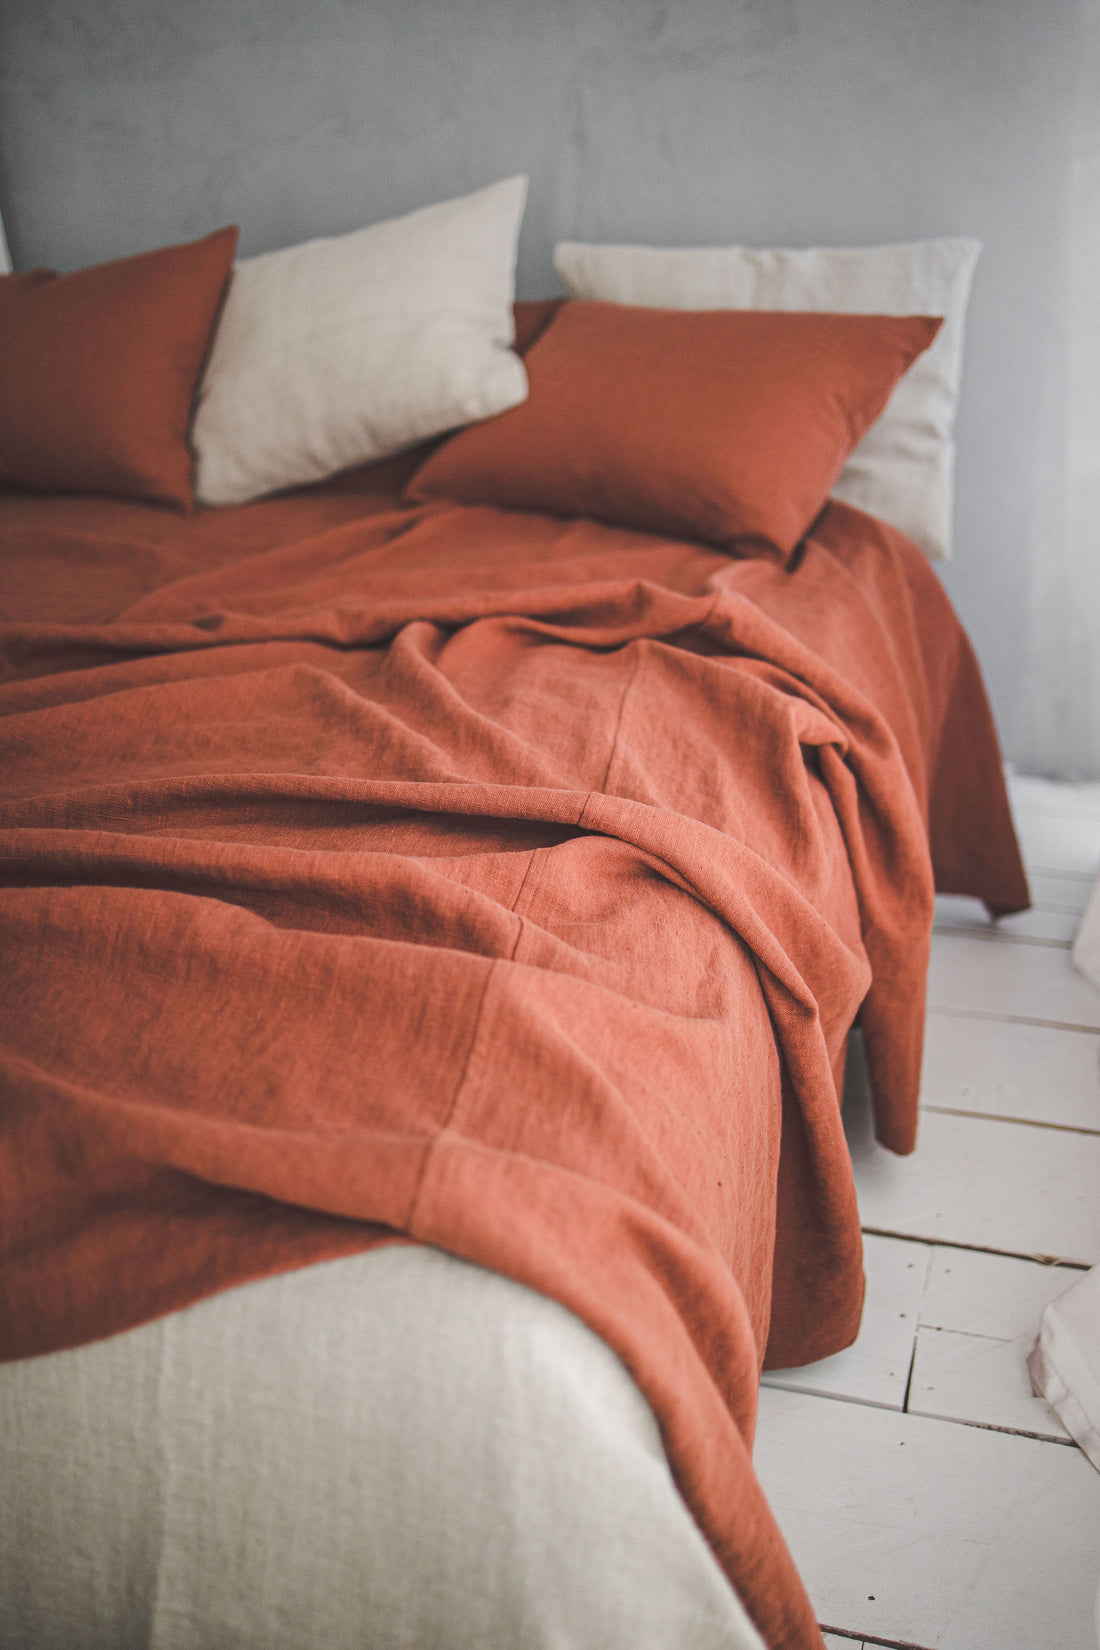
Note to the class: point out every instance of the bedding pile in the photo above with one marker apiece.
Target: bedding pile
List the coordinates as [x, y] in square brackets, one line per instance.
[378, 867]
[505, 884]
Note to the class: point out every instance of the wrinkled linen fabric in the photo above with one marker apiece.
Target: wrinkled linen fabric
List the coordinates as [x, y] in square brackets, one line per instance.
[505, 883]
[354, 1454]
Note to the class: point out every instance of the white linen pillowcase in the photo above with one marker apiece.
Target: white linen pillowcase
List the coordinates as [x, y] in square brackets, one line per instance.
[350, 348]
[903, 469]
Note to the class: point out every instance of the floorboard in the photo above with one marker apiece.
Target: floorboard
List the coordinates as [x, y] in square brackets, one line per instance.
[984, 1184]
[876, 1369]
[889, 1516]
[1058, 825]
[994, 1068]
[929, 1498]
[1022, 981]
[1059, 843]
[1030, 794]
[1053, 925]
[984, 1383]
[1059, 893]
[946, 1332]
[992, 1295]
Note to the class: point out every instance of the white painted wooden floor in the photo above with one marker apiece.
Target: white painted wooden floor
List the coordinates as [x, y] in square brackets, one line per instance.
[929, 1499]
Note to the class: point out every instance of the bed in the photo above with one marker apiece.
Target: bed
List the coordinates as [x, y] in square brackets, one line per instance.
[435, 902]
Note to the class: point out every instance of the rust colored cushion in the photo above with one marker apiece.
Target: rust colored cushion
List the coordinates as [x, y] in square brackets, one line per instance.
[98, 370]
[715, 425]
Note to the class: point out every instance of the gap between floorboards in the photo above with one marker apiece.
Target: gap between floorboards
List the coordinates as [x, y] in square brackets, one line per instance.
[1011, 1019]
[945, 1420]
[872, 1644]
[996, 936]
[996, 1117]
[979, 1248]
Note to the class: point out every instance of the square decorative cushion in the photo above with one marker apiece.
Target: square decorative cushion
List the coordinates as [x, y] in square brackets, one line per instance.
[902, 470]
[717, 425]
[347, 349]
[98, 370]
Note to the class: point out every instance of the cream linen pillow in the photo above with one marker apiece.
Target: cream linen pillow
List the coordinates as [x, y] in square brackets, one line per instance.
[346, 349]
[902, 469]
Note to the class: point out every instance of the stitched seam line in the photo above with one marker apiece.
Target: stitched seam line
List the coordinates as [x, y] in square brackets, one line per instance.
[461, 1084]
[619, 721]
[410, 1217]
[520, 891]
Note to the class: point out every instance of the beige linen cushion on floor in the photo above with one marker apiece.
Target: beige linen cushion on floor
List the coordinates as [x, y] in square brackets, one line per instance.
[1064, 1363]
[1086, 946]
[346, 349]
[903, 468]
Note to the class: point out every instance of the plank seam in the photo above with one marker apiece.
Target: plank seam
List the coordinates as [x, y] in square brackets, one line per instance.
[873, 1644]
[924, 1415]
[991, 1426]
[839, 1397]
[972, 1334]
[998, 1117]
[995, 936]
[1010, 1019]
[912, 1366]
[982, 1249]
[1066, 875]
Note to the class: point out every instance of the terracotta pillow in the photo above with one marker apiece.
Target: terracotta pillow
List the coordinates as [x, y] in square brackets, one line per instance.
[903, 468]
[715, 425]
[98, 370]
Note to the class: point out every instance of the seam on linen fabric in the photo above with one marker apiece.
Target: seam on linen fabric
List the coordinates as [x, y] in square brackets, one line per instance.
[619, 721]
[460, 1086]
[520, 891]
[410, 1215]
[700, 629]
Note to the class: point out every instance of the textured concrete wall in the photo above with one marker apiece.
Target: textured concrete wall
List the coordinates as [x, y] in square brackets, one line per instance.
[124, 123]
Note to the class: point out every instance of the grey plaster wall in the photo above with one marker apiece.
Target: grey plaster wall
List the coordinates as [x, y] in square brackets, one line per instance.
[124, 123]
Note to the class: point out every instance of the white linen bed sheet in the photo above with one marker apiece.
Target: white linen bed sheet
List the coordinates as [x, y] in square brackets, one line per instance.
[397, 1449]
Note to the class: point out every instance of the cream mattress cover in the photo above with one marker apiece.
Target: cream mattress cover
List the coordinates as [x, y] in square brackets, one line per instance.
[392, 1450]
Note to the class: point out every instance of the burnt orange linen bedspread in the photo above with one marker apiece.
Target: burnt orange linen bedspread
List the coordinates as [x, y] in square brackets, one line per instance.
[483, 880]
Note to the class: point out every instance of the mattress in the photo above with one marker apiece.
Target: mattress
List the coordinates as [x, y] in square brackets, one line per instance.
[486, 881]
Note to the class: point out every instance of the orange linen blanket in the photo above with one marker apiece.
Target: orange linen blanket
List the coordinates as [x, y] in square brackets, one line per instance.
[481, 880]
